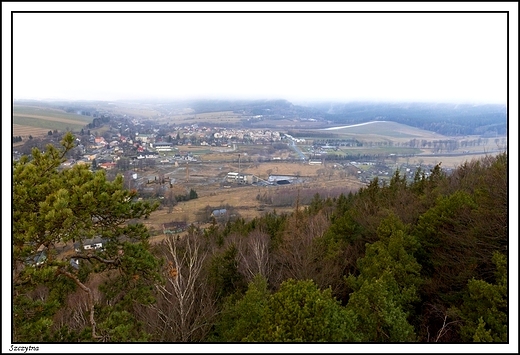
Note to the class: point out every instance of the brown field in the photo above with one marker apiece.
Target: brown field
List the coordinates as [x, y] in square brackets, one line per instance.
[242, 199]
[26, 131]
[36, 121]
[446, 161]
[281, 168]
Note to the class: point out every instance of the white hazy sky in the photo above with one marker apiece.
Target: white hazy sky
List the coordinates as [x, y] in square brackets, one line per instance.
[448, 57]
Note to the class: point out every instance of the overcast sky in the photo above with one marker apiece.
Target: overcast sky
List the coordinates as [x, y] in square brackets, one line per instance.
[434, 57]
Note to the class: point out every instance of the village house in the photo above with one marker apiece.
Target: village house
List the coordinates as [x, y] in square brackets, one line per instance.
[107, 166]
[90, 244]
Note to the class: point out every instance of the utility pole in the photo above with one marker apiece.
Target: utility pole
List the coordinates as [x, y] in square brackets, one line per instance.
[188, 171]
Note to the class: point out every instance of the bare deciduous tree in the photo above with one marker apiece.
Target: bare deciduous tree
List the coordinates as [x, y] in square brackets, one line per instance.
[447, 329]
[299, 256]
[184, 305]
[254, 255]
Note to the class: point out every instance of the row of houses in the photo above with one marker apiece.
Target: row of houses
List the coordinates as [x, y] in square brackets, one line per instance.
[40, 257]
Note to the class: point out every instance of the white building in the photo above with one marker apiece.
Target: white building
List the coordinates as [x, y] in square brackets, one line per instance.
[232, 177]
[162, 146]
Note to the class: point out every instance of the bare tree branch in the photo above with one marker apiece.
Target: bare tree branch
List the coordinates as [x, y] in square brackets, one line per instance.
[90, 299]
[184, 305]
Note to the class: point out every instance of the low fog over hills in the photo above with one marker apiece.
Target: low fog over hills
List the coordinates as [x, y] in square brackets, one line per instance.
[446, 119]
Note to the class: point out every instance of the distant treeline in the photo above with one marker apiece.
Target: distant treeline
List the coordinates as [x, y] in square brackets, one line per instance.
[446, 119]
[293, 197]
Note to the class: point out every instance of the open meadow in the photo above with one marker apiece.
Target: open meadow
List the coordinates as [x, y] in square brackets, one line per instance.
[206, 179]
[384, 129]
[37, 121]
[244, 201]
[224, 117]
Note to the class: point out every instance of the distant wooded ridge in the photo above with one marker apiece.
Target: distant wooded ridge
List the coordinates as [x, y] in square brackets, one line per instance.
[447, 119]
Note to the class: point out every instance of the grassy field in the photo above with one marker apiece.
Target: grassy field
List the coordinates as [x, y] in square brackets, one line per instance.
[206, 177]
[209, 117]
[131, 109]
[37, 121]
[372, 132]
[243, 199]
[385, 129]
[49, 114]
[375, 151]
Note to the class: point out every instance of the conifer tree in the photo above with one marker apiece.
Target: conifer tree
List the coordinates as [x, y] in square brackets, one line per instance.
[484, 311]
[387, 286]
[297, 312]
[54, 208]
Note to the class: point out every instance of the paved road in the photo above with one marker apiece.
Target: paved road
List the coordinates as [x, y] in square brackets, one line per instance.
[297, 150]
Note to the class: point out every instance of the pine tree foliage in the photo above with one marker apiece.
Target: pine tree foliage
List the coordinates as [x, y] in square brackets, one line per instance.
[298, 312]
[53, 208]
[484, 310]
[386, 286]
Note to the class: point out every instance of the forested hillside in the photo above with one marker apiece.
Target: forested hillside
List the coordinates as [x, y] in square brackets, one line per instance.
[404, 262]
[447, 119]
